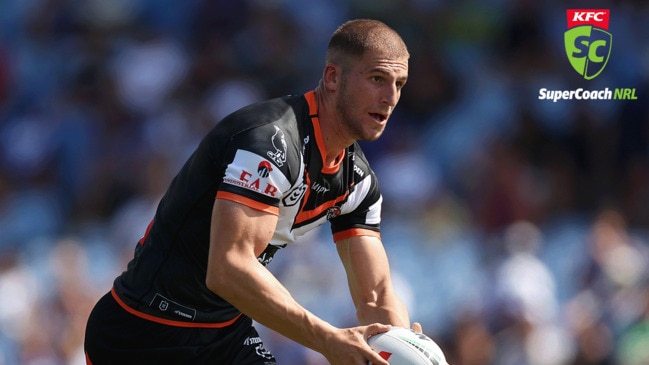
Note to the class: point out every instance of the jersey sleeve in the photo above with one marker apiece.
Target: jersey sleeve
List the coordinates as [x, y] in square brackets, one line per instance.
[256, 171]
[361, 213]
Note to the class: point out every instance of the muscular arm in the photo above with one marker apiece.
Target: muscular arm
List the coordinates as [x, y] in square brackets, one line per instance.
[368, 274]
[238, 235]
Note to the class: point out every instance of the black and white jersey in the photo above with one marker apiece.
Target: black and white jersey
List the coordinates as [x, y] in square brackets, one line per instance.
[268, 156]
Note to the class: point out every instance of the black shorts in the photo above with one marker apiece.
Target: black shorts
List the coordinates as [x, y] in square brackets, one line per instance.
[114, 336]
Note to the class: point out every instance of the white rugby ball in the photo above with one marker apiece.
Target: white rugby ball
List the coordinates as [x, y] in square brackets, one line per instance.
[403, 346]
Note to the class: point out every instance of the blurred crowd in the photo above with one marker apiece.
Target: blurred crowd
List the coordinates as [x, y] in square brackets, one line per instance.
[517, 228]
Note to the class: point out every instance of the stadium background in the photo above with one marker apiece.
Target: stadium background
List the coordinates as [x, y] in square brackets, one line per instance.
[517, 228]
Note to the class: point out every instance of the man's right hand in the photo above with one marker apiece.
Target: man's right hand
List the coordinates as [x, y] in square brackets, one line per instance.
[348, 346]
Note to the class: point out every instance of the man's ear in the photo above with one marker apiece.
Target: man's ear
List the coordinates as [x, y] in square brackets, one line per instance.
[332, 77]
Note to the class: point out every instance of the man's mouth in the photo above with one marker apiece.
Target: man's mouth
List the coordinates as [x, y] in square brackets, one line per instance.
[379, 117]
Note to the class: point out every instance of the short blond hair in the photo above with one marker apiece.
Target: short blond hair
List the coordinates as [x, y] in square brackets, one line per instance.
[355, 37]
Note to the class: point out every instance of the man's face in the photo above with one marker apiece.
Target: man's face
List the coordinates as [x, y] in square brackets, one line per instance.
[369, 92]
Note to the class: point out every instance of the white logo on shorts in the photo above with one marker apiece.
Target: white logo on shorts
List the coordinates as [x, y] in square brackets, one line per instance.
[262, 352]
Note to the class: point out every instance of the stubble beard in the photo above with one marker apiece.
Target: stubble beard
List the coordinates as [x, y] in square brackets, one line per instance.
[352, 124]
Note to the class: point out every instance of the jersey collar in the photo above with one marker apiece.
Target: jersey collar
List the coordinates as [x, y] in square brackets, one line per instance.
[313, 113]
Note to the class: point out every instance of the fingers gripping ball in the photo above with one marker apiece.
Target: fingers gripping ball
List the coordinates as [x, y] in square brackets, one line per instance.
[403, 346]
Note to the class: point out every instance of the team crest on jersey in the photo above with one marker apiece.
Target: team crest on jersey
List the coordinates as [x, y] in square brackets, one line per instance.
[333, 212]
[279, 143]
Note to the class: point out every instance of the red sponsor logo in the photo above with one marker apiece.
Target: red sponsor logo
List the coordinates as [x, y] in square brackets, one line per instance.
[595, 17]
[266, 188]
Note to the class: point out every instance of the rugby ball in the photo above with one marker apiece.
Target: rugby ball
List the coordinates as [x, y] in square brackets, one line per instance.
[403, 346]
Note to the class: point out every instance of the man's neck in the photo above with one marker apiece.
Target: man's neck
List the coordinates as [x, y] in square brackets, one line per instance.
[330, 126]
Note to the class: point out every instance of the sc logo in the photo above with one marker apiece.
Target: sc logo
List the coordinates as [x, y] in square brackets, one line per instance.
[588, 49]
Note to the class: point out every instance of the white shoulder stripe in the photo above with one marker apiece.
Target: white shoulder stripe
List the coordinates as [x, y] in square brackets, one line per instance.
[251, 171]
[361, 191]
